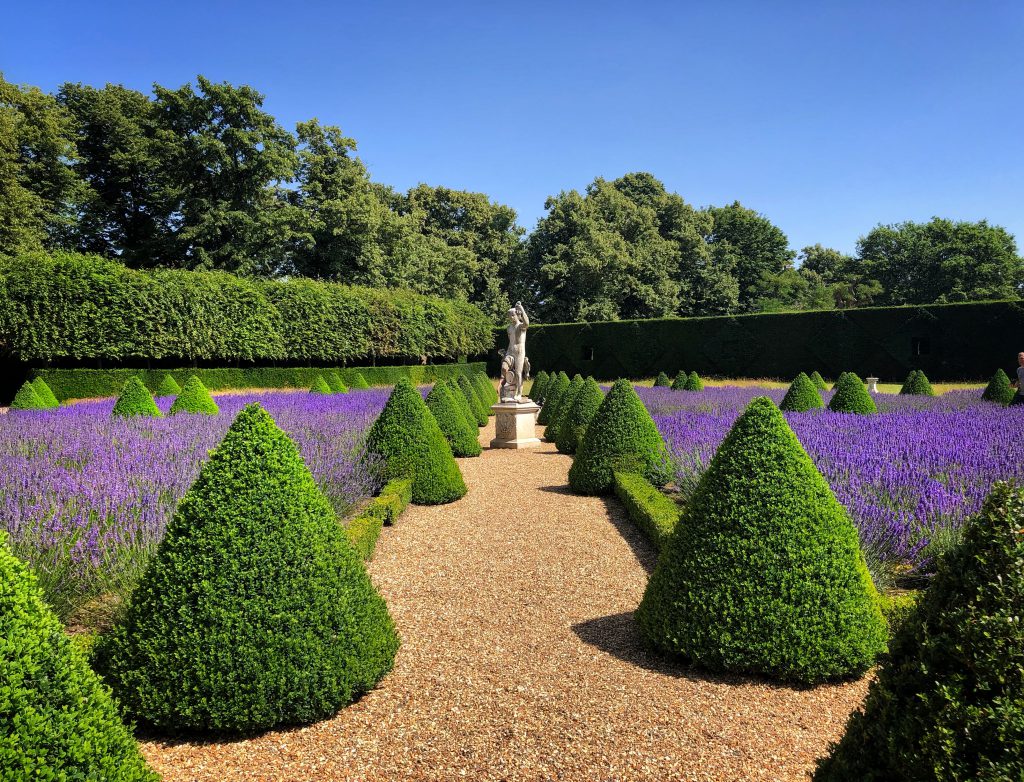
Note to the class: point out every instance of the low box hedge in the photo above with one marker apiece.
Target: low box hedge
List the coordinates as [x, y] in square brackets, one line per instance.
[382, 511]
[654, 513]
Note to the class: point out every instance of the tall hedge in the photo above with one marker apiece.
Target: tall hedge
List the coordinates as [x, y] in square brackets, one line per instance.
[558, 385]
[135, 400]
[473, 398]
[194, 398]
[459, 431]
[851, 396]
[801, 396]
[999, 389]
[565, 402]
[763, 573]
[948, 700]
[575, 421]
[255, 611]
[57, 721]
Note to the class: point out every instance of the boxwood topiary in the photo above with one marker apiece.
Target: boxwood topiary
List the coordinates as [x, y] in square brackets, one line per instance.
[194, 398]
[819, 381]
[168, 386]
[801, 396]
[558, 386]
[679, 383]
[134, 400]
[999, 389]
[917, 384]
[621, 436]
[44, 392]
[358, 381]
[410, 443]
[27, 398]
[57, 721]
[255, 611]
[694, 383]
[764, 573]
[460, 433]
[662, 380]
[537, 387]
[462, 403]
[320, 386]
[575, 422]
[565, 401]
[484, 390]
[851, 396]
[473, 398]
[948, 700]
[334, 381]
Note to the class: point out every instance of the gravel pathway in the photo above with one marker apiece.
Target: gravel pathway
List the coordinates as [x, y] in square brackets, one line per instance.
[520, 661]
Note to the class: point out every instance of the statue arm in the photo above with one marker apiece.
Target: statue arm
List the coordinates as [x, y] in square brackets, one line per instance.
[523, 318]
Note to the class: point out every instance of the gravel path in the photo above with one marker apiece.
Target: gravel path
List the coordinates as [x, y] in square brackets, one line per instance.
[520, 661]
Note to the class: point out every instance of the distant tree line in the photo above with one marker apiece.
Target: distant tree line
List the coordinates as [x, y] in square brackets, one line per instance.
[201, 177]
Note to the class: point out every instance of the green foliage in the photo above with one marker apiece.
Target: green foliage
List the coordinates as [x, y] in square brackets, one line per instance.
[135, 399]
[654, 513]
[537, 387]
[320, 386]
[621, 437]
[896, 608]
[556, 387]
[194, 398]
[948, 701]
[851, 396]
[801, 396]
[255, 611]
[460, 400]
[680, 380]
[473, 398]
[43, 392]
[168, 386]
[459, 431]
[358, 381]
[57, 721]
[383, 510]
[819, 381]
[411, 444]
[694, 383]
[577, 418]
[999, 389]
[334, 381]
[565, 402]
[917, 384]
[27, 398]
[662, 380]
[484, 390]
[764, 572]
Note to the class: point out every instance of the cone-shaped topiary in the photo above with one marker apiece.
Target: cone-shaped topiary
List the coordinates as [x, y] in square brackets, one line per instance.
[334, 381]
[168, 386]
[621, 436]
[194, 398]
[44, 392]
[679, 383]
[135, 400]
[662, 380]
[320, 386]
[801, 396]
[255, 611]
[460, 433]
[948, 700]
[410, 442]
[917, 384]
[462, 403]
[999, 389]
[575, 421]
[851, 396]
[564, 403]
[27, 398]
[537, 387]
[819, 381]
[559, 385]
[763, 573]
[484, 390]
[694, 383]
[57, 721]
[473, 398]
[358, 381]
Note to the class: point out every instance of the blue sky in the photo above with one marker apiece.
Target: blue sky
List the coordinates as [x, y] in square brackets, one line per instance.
[828, 117]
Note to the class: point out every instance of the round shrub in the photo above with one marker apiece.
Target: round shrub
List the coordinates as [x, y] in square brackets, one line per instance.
[851, 396]
[819, 381]
[460, 433]
[320, 386]
[764, 574]
[473, 398]
[462, 403]
[917, 384]
[621, 437]
[948, 700]
[537, 387]
[564, 403]
[255, 611]
[57, 721]
[44, 392]
[801, 396]
[168, 386]
[999, 389]
[679, 383]
[194, 398]
[559, 385]
[694, 383]
[662, 380]
[410, 443]
[135, 399]
[575, 421]
[334, 381]
[27, 398]
[358, 381]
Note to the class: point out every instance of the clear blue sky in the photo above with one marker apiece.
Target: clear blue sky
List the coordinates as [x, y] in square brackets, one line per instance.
[828, 117]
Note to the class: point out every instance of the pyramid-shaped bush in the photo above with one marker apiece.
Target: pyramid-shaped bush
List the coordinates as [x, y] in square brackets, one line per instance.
[460, 433]
[575, 421]
[694, 383]
[320, 386]
[168, 386]
[621, 437]
[537, 388]
[135, 400]
[57, 721]
[27, 398]
[917, 384]
[462, 403]
[662, 381]
[679, 383]
[819, 381]
[44, 392]
[764, 573]
[473, 398]
[999, 389]
[948, 700]
[255, 611]
[851, 396]
[484, 390]
[334, 382]
[358, 381]
[565, 401]
[410, 443]
[558, 386]
[194, 398]
[801, 396]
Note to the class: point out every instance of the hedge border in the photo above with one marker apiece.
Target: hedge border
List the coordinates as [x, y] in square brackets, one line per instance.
[382, 511]
[655, 514]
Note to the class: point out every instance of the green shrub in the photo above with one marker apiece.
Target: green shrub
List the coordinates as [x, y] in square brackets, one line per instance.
[621, 437]
[43, 392]
[565, 401]
[320, 386]
[801, 396]
[460, 432]
[27, 398]
[662, 381]
[383, 510]
[896, 607]
[694, 383]
[558, 386]
[947, 702]
[484, 390]
[135, 399]
[410, 443]
[168, 386]
[654, 513]
[917, 384]
[476, 405]
[575, 421]
[851, 396]
[358, 381]
[334, 382]
[764, 572]
[819, 381]
[537, 387]
[999, 389]
[255, 611]
[679, 383]
[462, 403]
[194, 398]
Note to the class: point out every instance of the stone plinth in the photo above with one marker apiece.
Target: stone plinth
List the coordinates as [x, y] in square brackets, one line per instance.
[514, 424]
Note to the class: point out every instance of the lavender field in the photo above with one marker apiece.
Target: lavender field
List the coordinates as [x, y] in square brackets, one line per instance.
[86, 497]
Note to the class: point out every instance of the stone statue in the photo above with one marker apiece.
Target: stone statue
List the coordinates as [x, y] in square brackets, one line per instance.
[515, 366]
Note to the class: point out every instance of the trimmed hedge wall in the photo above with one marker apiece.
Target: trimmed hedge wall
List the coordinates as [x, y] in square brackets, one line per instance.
[947, 341]
[654, 513]
[382, 511]
[85, 383]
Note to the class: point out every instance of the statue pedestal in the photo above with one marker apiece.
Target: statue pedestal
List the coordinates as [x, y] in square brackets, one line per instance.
[514, 424]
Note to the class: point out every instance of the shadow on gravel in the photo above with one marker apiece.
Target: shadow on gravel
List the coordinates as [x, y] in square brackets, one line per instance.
[556, 489]
[646, 554]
